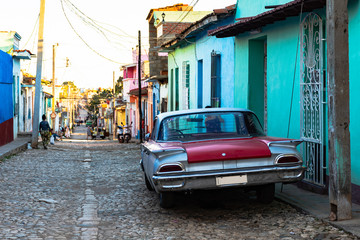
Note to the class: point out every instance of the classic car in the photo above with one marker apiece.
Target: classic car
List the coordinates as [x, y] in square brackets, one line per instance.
[215, 148]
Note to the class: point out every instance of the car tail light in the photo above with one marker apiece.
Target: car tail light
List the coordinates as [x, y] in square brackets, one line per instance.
[288, 159]
[170, 168]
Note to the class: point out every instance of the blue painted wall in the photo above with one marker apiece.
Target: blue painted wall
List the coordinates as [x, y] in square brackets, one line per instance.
[6, 98]
[199, 48]
[6, 86]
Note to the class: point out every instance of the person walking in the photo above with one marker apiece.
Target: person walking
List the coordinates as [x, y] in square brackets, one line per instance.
[88, 133]
[67, 132]
[44, 129]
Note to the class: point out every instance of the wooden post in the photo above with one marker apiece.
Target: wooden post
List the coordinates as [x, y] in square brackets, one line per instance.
[114, 109]
[139, 76]
[36, 116]
[338, 110]
[53, 115]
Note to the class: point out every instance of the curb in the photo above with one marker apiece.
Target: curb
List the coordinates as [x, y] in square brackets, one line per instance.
[13, 151]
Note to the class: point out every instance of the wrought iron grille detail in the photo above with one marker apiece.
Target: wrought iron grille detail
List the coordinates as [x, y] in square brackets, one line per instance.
[311, 87]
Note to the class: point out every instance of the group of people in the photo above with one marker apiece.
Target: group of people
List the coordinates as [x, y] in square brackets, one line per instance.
[47, 133]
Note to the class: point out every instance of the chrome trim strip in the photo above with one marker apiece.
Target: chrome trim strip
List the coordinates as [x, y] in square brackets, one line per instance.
[173, 186]
[234, 172]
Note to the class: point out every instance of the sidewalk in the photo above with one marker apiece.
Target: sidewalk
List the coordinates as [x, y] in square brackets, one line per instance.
[318, 206]
[18, 145]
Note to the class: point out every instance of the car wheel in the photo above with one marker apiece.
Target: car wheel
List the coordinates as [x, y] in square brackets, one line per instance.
[265, 194]
[148, 184]
[166, 199]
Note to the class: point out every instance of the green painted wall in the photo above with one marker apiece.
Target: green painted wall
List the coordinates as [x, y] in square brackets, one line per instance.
[184, 53]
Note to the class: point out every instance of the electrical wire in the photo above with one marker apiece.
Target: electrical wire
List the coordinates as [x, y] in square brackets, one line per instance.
[36, 23]
[82, 39]
[177, 24]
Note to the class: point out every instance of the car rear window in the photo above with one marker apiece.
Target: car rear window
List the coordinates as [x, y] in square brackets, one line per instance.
[204, 126]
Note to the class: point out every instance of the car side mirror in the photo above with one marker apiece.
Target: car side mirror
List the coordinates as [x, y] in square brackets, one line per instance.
[147, 137]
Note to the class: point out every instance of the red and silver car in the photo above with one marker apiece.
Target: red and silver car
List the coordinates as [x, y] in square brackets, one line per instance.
[216, 148]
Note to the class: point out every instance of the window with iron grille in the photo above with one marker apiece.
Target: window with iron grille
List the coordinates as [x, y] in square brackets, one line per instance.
[215, 79]
[186, 84]
[171, 95]
[176, 88]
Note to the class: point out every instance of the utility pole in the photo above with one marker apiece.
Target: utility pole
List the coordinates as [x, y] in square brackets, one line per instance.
[114, 109]
[69, 106]
[139, 76]
[338, 109]
[35, 132]
[53, 114]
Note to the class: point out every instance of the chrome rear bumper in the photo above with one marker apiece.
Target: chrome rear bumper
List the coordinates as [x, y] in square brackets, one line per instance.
[207, 180]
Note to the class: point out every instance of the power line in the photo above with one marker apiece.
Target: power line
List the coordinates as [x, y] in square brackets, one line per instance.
[177, 24]
[36, 22]
[62, 5]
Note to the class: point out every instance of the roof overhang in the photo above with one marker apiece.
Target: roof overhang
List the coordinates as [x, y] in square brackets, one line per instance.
[22, 54]
[293, 8]
[158, 78]
[135, 92]
[48, 95]
[194, 28]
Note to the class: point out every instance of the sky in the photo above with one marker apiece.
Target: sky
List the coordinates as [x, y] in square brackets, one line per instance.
[105, 33]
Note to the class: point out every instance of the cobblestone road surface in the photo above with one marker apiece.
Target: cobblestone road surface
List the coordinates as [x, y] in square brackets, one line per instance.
[95, 190]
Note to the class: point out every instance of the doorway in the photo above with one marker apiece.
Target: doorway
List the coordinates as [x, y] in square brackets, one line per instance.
[257, 92]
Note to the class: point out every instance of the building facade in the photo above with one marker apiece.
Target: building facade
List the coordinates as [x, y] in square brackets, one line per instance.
[281, 74]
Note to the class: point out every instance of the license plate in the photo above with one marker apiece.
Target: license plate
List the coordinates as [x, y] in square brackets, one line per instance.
[230, 180]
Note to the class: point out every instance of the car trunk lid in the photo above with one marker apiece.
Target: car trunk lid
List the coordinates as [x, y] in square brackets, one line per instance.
[215, 150]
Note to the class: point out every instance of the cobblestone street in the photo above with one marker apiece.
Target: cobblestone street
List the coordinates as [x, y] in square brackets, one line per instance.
[94, 189]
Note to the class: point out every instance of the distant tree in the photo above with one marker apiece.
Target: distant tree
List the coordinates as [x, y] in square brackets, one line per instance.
[68, 89]
[119, 86]
[101, 96]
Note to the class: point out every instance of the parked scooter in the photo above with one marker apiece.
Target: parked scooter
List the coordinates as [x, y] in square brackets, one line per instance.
[124, 133]
[127, 132]
[120, 134]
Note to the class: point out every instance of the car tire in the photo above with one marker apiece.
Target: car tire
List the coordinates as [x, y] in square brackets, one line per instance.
[166, 199]
[148, 184]
[265, 194]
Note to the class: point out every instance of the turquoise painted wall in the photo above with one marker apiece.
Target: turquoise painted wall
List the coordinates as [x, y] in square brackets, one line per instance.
[281, 51]
[241, 71]
[282, 46]
[249, 8]
[354, 56]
